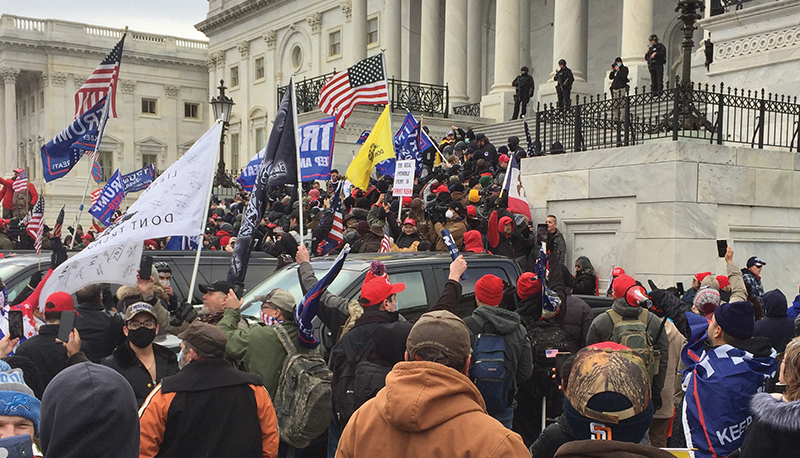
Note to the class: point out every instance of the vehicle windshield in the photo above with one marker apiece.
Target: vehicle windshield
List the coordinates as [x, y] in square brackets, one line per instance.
[10, 267]
[287, 279]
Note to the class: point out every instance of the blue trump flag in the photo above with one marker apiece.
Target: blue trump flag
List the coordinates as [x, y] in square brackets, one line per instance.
[551, 302]
[61, 154]
[138, 180]
[307, 309]
[407, 145]
[110, 199]
[316, 149]
[248, 176]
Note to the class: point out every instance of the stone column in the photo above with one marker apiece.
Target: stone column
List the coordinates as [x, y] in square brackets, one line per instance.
[455, 51]
[358, 26]
[570, 32]
[499, 103]
[393, 37]
[10, 116]
[430, 62]
[525, 35]
[474, 51]
[637, 26]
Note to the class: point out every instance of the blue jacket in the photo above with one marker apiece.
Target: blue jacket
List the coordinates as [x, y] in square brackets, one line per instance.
[794, 310]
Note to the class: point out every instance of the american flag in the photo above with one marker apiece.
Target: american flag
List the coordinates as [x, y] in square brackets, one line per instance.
[95, 195]
[102, 82]
[59, 223]
[528, 139]
[21, 183]
[362, 84]
[35, 226]
[335, 237]
[386, 244]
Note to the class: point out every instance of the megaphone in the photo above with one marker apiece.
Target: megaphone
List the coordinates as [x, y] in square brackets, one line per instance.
[637, 297]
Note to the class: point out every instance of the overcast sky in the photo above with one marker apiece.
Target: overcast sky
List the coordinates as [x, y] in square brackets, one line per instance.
[166, 17]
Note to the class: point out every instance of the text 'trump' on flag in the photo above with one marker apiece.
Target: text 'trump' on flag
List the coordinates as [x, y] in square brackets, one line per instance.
[362, 84]
[378, 148]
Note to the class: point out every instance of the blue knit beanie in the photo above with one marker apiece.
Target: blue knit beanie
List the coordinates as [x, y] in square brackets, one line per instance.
[737, 319]
[16, 398]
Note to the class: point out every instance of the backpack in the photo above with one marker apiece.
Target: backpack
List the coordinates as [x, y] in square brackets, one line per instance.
[491, 370]
[303, 399]
[360, 381]
[633, 333]
[547, 339]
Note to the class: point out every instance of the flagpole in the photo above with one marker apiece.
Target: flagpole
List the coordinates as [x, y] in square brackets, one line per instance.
[421, 118]
[297, 152]
[203, 226]
[83, 199]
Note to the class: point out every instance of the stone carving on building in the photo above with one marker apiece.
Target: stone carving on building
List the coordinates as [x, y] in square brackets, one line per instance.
[757, 44]
[219, 58]
[171, 90]
[347, 9]
[244, 49]
[315, 22]
[210, 62]
[271, 38]
[9, 74]
[79, 79]
[127, 85]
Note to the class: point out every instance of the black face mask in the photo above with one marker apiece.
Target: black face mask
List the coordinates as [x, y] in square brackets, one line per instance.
[142, 337]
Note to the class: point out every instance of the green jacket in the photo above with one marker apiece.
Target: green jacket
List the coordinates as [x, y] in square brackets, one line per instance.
[258, 348]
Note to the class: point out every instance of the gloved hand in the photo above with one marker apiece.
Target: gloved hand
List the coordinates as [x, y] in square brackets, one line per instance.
[186, 312]
[657, 403]
[657, 296]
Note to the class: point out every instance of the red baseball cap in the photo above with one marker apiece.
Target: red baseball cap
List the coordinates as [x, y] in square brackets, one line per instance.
[617, 271]
[59, 302]
[375, 291]
[503, 158]
[18, 170]
[471, 211]
[441, 188]
[410, 221]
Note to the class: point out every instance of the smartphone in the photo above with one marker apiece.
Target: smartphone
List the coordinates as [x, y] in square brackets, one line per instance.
[146, 267]
[238, 289]
[17, 446]
[722, 248]
[15, 324]
[679, 285]
[541, 232]
[66, 325]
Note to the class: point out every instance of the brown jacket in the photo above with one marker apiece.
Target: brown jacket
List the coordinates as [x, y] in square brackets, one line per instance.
[427, 409]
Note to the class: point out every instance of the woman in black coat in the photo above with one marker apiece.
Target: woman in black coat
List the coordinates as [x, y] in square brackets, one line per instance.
[585, 278]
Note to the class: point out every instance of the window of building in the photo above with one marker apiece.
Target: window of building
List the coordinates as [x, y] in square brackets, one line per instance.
[235, 76]
[259, 68]
[297, 57]
[191, 110]
[106, 161]
[235, 151]
[261, 138]
[41, 100]
[148, 159]
[335, 43]
[149, 106]
[372, 31]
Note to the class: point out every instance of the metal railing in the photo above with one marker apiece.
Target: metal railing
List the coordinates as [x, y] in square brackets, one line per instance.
[430, 99]
[473, 109]
[720, 116]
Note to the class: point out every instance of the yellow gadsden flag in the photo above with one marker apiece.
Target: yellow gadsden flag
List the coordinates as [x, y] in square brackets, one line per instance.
[378, 147]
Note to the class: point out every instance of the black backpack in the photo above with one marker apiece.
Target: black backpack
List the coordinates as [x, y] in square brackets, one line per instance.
[360, 381]
[547, 339]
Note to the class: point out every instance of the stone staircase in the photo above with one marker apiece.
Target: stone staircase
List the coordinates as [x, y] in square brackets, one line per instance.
[498, 133]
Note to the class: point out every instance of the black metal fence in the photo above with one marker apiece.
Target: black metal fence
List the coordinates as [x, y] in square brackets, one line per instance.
[473, 109]
[718, 115]
[430, 99]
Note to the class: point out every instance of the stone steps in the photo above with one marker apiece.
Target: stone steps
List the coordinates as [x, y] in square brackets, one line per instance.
[498, 133]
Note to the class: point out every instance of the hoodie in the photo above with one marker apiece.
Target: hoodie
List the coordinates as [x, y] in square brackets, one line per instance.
[93, 403]
[427, 409]
[775, 431]
[473, 241]
[776, 325]
[508, 324]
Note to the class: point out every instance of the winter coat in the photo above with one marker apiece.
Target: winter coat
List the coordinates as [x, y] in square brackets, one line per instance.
[564, 78]
[609, 449]
[5, 242]
[754, 287]
[500, 243]
[473, 241]
[124, 361]
[369, 242]
[209, 409]
[401, 239]
[49, 356]
[619, 78]
[507, 324]
[602, 329]
[426, 406]
[557, 245]
[775, 325]
[794, 311]
[457, 228]
[585, 284]
[676, 343]
[524, 85]
[661, 54]
[775, 431]
[259, 347]
[100, 330]
[554, 436]
[575, 317]
[94, 403]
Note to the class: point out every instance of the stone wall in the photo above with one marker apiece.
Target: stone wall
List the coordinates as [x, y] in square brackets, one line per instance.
[656, 210]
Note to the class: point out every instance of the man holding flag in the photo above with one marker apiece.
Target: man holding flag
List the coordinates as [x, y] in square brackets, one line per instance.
[19, 195]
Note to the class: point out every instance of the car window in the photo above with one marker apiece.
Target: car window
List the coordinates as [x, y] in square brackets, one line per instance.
[15, 289]
[414, 294]
[474, 273]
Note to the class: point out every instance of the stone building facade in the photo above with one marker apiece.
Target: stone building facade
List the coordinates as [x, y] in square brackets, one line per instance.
[162, 98]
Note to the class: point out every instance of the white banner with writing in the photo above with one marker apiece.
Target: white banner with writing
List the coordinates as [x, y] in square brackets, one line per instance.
[174, 204]
[404, 178]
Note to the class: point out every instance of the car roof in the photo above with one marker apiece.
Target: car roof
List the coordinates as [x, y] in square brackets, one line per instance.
[361, 261]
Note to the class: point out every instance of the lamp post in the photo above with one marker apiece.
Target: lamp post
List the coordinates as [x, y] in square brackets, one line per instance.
[689, 17]
[222, 104]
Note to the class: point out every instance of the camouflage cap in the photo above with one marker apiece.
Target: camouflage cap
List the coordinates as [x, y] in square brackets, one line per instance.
[608, 383]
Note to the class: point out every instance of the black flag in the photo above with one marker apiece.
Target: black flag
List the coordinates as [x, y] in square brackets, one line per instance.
[279, 167]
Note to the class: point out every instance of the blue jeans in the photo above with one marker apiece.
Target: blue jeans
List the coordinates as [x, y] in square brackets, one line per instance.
[334, 434]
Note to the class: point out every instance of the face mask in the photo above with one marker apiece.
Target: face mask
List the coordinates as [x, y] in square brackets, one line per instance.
[449, 213]
[142, 337]
[165, 282]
